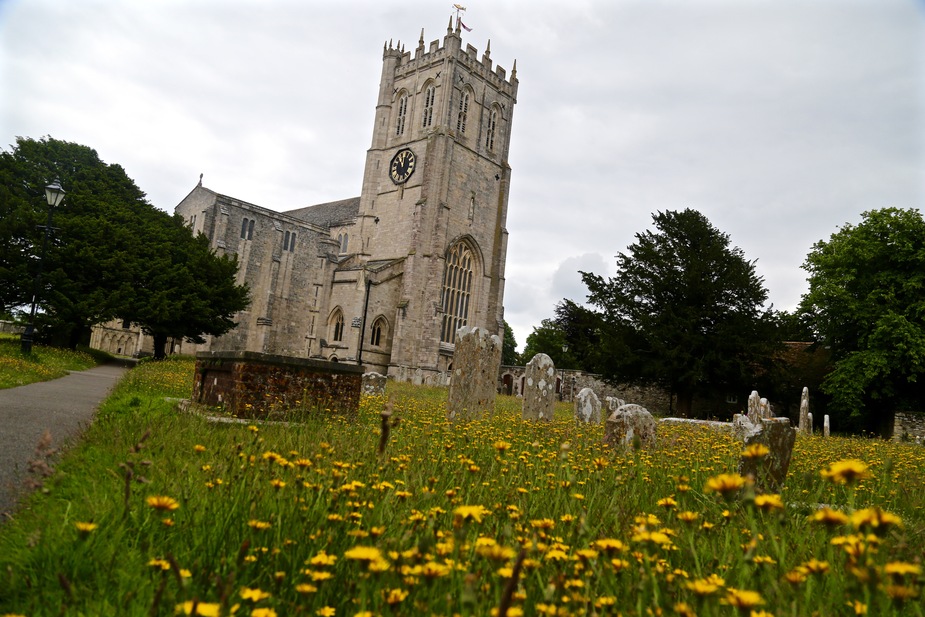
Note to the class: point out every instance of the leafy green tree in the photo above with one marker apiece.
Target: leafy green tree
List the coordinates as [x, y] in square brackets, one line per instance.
[583, 330]
[112, 254]
[548, 338]
[93, 238]
[866, 299]
[692, 305]
[509, 355]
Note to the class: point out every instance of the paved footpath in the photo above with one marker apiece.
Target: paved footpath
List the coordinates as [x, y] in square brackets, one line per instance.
[63, 407]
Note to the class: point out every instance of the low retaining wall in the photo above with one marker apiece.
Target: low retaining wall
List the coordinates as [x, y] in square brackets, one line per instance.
[247, 384]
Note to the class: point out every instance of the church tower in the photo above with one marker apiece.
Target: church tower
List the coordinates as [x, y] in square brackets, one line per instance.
[435, 197]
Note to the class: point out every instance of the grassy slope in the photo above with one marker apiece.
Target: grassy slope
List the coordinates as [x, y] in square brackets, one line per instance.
[17, 369]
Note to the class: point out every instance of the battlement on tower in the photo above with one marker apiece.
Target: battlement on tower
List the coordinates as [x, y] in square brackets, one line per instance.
[452, 47]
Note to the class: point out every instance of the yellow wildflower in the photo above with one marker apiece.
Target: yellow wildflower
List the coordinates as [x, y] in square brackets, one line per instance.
[846, 471]
[161, 502]
[254, 595]
[725, 484]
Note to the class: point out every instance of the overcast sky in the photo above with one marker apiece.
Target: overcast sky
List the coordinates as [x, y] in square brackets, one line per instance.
[779, 120]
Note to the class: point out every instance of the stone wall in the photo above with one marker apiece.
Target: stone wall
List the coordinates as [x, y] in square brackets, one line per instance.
[909, 426]
[247, 384]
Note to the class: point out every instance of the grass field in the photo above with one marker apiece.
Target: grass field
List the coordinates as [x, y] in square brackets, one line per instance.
[44, 363]
[163, 513]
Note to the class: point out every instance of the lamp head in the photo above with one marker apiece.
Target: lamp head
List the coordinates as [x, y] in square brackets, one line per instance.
[54, 194]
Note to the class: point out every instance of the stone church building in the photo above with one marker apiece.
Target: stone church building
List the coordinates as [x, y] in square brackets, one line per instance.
[384, 279]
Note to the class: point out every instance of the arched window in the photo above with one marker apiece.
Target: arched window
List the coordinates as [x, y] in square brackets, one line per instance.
[463, 112]
[457, 290]
[337, 323]
[343, 244]
[492, 125]
[430, 95]
[402, 111]
[375, 333]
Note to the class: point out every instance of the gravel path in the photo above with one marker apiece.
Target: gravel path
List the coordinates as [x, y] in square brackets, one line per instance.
[62, 407]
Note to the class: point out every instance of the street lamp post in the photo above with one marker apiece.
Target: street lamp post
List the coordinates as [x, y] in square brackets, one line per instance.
[54, 195]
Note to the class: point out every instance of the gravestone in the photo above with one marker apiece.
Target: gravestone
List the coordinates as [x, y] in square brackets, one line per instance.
[629, 424]
[769, 471]
[804, 412]
[809, 423]
[587, 407]
[613, 403]
[374, 383]
[764, 409]
[539, 389]
[825, 425]
[476, 363]
[753, 402]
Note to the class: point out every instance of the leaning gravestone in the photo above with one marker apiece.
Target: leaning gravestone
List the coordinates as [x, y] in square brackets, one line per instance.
[587, 407]
[628, 424]
[539, 389]
[776, 434]
[613, 403]
[476, 363]
[374, 383]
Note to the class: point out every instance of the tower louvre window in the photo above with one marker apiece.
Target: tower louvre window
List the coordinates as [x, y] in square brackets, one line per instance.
[430, 94]
[490, 133]
[247, 229]
[457, 290]
[463, 111]
[402, 111]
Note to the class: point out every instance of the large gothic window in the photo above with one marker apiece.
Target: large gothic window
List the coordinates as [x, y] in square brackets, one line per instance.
[463, 112]
[402, 112]
[430, 94]
[457, 290]
[375, 333]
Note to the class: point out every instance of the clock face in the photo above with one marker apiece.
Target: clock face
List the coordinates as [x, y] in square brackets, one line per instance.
[402, 166]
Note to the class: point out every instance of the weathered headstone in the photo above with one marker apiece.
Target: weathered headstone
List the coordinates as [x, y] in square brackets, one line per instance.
[374, 383]
[753, 403]
[825, 425]
[629, 424]
[809, 423]
[764, 409]
[476, 362]
[768, 471]
[804, 412]
[613, 403]
[539, 389]
[587, 407]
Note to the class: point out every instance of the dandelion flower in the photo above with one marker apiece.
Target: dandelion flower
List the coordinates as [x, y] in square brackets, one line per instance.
[258, 525]
[263, 612]
[463, 513]
[204, 609]
[161, 502]
[394, 596]
[846, 471]
[742, 599]
[85, 528]
[901, 568]
[254, 595]
[305, 588]
[667, 503]
[756, 450]
[874, 518]
[725, 484]
[768, 503]
[829, 517]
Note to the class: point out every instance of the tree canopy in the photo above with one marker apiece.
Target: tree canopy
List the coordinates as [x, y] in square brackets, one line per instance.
[509, 355]
[685, 309]
[111, 254]
[866, 302]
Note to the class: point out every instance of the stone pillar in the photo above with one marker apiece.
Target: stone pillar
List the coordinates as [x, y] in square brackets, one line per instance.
[539, 395]
[825, 425]
[476, 363]
[587, 407]
[804, 412]
[809, 423]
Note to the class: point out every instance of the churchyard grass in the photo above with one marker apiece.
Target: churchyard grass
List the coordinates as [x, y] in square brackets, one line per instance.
[44, 363]
[160, 512]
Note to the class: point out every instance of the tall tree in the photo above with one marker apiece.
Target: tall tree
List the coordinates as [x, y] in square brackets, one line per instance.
[693, 305]
[183, 289]
[509, 355]
[866, 300]
[548, 338]
[112, 254]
